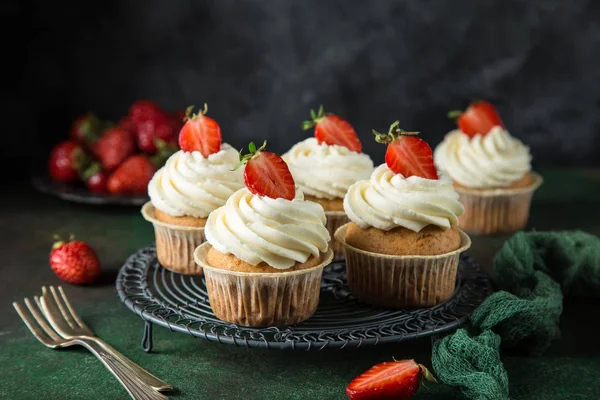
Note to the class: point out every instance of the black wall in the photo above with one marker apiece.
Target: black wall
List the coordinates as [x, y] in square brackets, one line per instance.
[261, 65]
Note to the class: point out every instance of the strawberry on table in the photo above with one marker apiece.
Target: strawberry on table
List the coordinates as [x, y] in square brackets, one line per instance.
[266, 174]
[74, 261]
[114, 147]
[479, 118]
[406, 153]
[200, 133]
[333, 130]
[66, 161]
[397, 380]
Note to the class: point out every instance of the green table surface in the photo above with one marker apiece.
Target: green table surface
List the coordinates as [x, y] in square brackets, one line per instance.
[199, 369]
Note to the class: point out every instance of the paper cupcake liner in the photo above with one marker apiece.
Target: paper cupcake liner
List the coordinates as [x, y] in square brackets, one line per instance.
[175, 244]
[335, 219]
[262, 299]
[497, 210]
[401, 282]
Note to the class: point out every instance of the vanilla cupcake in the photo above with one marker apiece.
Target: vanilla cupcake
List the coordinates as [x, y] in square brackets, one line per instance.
[491, 171]
[193, 182]
[326, 165]
[403, 243]
[266, 249]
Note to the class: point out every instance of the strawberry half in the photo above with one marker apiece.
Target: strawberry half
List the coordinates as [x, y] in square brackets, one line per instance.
[266, 174]
[407, 154]
[396, 380]
[333, 130]
[200, 133]
[479, 118]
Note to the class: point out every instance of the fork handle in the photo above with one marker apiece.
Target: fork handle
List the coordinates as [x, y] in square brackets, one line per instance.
[143, 375]
[136, 388]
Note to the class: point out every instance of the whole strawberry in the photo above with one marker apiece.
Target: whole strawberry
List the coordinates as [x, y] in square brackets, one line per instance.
[87, 128]
[74, 261]
[151, 123]
[114, 147]
[132, 177]
[397, 380]
[95, 178]
[66, 161]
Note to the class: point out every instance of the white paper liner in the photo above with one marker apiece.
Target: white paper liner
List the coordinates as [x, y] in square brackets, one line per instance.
[175, 244]
[262, 299]
[497, 210]
[401, 281]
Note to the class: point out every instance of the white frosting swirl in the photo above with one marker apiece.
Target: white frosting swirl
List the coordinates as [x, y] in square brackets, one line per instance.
[193, 185]
[389, 200]
[279, 232]
[494, 160]
[326, 171]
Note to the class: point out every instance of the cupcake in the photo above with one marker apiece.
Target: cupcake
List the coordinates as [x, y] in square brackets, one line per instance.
[491, 171]
[266, 248]
[193, 182]
[403, 244]
[325, 166]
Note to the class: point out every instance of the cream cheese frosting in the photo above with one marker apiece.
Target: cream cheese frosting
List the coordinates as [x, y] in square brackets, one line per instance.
[190, 184]
[388, 200]
[483, 161]
[257, 228]
[326, 171]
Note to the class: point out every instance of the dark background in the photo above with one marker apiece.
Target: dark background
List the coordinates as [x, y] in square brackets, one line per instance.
[261, 65]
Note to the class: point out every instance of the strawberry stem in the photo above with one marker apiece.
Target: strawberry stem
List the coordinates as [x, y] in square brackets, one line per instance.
[427, 374]
[454, 114]
[244, 158]
[393, 133]
[315, 118]
[190, 115]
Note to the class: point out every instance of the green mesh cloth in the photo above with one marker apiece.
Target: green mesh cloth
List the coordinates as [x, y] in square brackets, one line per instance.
[524, 313]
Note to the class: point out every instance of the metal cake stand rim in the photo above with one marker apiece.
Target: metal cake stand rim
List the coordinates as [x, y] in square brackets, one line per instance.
[150, 319]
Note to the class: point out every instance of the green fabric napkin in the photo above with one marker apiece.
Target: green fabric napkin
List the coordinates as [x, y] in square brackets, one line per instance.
[533, 270]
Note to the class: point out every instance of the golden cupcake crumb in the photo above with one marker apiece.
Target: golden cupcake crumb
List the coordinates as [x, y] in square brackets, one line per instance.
[229, 262]
[400, 241]
[182, 221]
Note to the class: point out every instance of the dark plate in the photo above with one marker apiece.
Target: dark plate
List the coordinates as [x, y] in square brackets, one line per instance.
[78, 193]
[180, 303]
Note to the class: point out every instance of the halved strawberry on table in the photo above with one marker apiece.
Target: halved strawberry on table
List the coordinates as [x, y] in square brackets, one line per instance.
[479, 118]
[394, 380]
[407, 154]
[333, 130]
[266, 174]
[200, 133]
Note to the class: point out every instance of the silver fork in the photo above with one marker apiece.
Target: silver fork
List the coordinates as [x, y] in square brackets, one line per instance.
[68, 324]
[37, 324]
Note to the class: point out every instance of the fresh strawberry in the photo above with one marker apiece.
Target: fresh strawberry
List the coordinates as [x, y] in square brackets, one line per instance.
[74, 261]
[114, 147]
[66, 161]
[479, 118]
[151, 123]
[95, 178]
[132, 176]
[87, 128]
[266, 174]
[143, 110]
[397, 380]
[127, 124]
[407, 154]
[200, 133]
[333, 130]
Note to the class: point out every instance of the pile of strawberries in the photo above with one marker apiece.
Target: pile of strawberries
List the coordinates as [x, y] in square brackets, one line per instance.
[117, 158]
